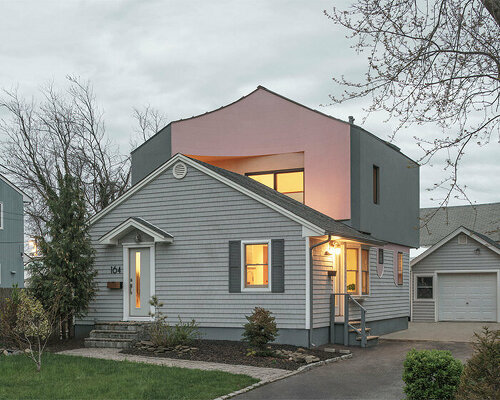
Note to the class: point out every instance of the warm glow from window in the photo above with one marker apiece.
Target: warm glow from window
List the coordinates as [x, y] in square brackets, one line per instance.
[256, 265]
[290, 183]
[400, 268]
[352, 271]
[137, 279]
[365, 271]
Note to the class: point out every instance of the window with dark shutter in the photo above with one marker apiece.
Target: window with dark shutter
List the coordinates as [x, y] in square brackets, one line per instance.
[278, 265]
[234, 266]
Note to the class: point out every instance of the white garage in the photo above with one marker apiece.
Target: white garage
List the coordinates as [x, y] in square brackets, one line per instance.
[457, 279]
[467, 297]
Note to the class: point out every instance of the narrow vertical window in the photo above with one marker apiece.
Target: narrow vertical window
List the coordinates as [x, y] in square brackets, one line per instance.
[256, 265]
[376, 184]
[365, 271]
[352, 271]
[1, 215]
[137, 279]
[400, 268]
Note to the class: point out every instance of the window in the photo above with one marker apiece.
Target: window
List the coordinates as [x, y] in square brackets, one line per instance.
[352, 271]
[1, 215]
[400, 268]
[380, 256]
[365, 271]
[289, 182]
[424, 287]
[256, 267]
[376, 184]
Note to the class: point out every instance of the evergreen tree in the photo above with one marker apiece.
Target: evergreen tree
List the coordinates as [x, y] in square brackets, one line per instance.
[66, 271]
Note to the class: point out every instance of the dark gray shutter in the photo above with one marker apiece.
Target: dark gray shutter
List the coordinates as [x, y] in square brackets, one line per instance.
[234, 266]
[277, 265]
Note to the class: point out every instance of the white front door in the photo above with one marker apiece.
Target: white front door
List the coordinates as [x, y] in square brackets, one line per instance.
[467, 297]
[139, 282]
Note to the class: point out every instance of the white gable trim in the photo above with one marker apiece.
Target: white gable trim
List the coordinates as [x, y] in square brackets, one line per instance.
[446, 239]
[26, 198]
[112, 236]
[180, 157]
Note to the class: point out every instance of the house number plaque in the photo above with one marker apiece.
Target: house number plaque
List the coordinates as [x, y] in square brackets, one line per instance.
[115, 269]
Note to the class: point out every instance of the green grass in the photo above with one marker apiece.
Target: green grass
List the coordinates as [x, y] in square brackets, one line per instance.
[70, 377]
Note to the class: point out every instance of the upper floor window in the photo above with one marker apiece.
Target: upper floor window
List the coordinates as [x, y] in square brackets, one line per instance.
[1, 215]
[289, 182]
[376, 184]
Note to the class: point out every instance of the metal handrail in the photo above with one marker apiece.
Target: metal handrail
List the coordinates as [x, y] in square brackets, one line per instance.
[347, 325]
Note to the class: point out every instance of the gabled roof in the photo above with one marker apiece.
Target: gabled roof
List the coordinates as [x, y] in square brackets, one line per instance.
[159, 235]
[26, 198]
[309, 218]
[482, 218]
[483, 239]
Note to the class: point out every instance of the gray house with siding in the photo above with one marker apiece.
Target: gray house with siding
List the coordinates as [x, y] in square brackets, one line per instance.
[457, 279]
[12, 201]
[213, 244]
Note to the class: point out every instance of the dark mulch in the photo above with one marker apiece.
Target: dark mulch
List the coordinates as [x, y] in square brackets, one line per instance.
[228, 352]
[61, 345]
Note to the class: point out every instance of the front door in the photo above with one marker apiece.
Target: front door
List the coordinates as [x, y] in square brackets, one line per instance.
[139, 285]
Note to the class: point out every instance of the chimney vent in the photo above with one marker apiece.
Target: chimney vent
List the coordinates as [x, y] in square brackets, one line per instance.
[351, 119]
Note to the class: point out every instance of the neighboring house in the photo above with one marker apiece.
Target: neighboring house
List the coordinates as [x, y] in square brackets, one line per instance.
[232, 224]
[457, 279]
[12, 201]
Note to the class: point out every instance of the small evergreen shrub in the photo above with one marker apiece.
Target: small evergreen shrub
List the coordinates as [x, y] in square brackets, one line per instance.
[260, 330]
[481, 377]
[431, 375]
[164, 335]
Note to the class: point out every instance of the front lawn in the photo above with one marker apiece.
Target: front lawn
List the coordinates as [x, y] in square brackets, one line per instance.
[70, 377]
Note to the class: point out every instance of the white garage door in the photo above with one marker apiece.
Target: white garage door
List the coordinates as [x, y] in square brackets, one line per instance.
[467, 297]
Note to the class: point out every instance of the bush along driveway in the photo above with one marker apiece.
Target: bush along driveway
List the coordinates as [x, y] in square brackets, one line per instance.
[69, 377]
[372, 373]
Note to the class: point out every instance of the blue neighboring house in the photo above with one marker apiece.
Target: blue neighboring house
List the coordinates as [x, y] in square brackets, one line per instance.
[12, 201]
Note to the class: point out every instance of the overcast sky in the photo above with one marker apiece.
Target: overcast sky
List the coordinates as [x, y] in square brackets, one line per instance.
[188, 57]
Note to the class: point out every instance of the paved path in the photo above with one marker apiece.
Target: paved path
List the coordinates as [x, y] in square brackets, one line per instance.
[372, 373]
[114, 354]
[441, 331]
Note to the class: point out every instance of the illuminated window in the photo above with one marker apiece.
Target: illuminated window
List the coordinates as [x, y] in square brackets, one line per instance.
[137, 279]
[290, 182]
[400, 268]
[256, 265]
[365, 271]
[352, 271]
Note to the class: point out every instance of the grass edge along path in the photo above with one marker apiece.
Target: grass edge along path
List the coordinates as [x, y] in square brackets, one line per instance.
[72, 377]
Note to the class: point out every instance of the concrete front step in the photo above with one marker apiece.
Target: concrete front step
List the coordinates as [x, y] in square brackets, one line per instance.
[112, 334]
[109, 343]
[120, 326]
[370, 340]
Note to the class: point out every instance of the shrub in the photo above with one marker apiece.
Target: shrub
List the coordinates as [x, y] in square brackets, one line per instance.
[164, 335]
[481, 377]
[431, 374]
[8, 317]
[260, 330]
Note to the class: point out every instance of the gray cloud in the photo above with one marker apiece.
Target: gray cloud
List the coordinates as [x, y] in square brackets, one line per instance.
[186, 58]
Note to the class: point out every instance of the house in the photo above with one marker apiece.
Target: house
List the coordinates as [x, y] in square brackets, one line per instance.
[456, 277]
[263, 202]
[12, 201]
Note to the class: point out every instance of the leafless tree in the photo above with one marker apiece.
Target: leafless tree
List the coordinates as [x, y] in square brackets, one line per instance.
[149, 121]
[65, 133]
[430, 62]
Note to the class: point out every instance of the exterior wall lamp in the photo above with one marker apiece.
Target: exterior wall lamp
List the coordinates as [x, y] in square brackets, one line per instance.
[477, 251]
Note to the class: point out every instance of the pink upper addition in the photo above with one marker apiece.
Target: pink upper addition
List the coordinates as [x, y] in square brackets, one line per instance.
[266, 124]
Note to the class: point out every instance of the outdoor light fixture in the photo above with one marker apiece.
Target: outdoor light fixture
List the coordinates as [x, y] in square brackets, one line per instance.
[477, 251]
[138, 237]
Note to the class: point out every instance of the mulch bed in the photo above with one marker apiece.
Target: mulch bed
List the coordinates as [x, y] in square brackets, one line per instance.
[68, 344]
[229, 352]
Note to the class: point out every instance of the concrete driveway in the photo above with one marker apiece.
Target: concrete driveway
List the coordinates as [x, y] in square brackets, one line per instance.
[373, 373]
[441, 331]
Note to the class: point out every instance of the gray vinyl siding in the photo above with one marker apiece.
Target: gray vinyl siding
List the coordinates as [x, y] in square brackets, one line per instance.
[11, 237]
[323, 286]
[386, 299]
[203, 215]
[451, 256]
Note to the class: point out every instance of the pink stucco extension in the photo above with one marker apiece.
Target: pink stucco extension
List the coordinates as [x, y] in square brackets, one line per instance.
[264, 124]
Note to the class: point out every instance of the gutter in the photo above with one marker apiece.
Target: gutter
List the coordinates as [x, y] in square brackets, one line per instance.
[311, 285]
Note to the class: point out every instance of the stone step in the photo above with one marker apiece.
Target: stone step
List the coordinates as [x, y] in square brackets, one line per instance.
[119, 326]
[113, 334]
[108, 343]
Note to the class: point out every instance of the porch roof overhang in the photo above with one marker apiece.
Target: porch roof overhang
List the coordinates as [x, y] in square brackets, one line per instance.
[158, 235]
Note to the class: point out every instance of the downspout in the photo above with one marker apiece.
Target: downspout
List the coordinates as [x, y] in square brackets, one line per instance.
[311, 285]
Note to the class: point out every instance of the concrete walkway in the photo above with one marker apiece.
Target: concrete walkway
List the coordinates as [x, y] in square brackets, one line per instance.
[441, 331]
[114, 354]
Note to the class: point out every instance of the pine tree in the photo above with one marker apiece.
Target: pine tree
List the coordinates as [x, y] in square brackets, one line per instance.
[66, 271]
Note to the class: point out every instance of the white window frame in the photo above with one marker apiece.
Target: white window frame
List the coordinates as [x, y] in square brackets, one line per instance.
[269, 267]
[360, 271]
[415, 286]
[1, 215]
